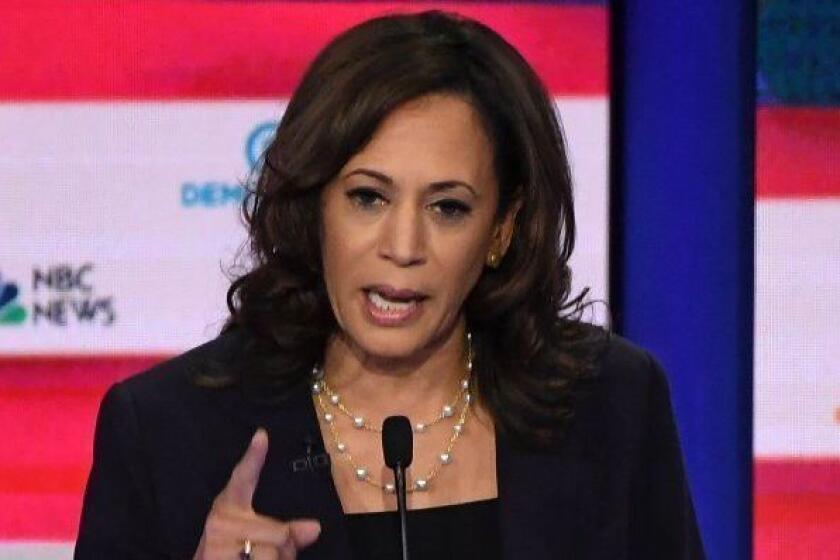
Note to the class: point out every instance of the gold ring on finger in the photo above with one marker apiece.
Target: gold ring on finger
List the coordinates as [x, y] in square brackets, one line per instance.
[245, 554]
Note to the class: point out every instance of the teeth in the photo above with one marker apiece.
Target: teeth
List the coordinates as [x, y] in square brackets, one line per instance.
[384, 304]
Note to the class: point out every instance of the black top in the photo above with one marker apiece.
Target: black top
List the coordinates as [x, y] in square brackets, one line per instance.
[468, 530]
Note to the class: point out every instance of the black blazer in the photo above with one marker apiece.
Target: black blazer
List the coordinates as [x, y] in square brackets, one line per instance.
[164, 448]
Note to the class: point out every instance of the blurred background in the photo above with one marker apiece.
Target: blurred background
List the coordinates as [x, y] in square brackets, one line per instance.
[796, 436]
[704, 143]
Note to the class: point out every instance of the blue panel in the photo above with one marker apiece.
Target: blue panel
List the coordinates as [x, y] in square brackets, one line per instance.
[682, 253]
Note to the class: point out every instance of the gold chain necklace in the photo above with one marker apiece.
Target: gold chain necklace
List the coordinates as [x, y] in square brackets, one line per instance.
[320, 389]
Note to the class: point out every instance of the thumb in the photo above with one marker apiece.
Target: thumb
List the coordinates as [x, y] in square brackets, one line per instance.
[304, 532]
[246, 474]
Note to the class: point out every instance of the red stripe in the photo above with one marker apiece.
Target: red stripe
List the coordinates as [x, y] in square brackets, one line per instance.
[797, 508]
[48, 409]
[40, 516]
[56, 479]
[78, 371]
[57, 50]
[798, 152]
[800, 475]
[797, 526]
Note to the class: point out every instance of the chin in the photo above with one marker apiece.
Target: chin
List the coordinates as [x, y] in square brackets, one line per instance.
[393, 345]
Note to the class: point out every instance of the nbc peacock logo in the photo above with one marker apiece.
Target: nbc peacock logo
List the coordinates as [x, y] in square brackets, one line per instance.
[11, 312]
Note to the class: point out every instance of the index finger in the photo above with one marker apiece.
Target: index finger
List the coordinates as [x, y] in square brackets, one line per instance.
[246, 474]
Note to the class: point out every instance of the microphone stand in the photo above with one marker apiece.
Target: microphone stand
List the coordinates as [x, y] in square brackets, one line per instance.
[399, 476]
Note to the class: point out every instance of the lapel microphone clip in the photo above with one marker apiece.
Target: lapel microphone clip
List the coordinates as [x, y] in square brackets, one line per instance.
[312, 461]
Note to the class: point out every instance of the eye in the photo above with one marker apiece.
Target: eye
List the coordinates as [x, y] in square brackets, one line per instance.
[451, 209]
[365, 197]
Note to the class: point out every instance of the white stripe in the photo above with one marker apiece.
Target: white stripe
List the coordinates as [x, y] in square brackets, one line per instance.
[102, 183]
[797, 321]
[586, 126]
[35, 551]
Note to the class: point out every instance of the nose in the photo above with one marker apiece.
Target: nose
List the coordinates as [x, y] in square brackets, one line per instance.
[402, 238]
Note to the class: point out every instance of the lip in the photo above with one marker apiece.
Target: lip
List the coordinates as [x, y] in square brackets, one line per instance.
[392, 318]
[391, 292]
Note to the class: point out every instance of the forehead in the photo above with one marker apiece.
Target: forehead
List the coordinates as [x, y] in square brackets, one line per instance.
[433, 138]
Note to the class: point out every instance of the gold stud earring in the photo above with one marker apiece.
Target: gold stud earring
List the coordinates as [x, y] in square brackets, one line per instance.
[493, 260]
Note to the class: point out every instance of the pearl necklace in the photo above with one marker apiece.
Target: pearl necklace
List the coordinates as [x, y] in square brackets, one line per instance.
[320, 388]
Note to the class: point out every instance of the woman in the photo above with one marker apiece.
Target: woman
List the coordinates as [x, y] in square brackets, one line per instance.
[404, 233]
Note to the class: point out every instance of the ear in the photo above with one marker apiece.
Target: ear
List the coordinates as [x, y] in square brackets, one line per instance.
[504, 229]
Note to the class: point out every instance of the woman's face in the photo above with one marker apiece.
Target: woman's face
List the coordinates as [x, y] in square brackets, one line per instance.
[407, 226]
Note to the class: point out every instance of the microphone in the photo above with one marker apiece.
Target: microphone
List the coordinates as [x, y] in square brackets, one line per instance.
[398, 448]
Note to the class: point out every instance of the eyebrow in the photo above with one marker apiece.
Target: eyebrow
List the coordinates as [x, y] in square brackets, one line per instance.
[434, 187]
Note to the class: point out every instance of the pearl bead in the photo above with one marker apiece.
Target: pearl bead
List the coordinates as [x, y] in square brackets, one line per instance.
[316, 388]
[467, 397]
[465, 384]
[359, 422]
[459, 428]
[342, 447]
[334, 398]
[421, 484]
[447, 411]
[361, 474]
[420, 427]
[469, 365]
[328, 417]
[390, 488]
[445, 458]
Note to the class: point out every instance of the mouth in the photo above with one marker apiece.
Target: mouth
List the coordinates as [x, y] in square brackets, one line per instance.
[390, 306]
[395, 295]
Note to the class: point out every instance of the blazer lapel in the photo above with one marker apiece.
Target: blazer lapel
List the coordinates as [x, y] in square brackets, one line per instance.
[546, 509]
[522, 480]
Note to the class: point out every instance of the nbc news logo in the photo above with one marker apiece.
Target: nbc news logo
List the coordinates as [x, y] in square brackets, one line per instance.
[11, 312]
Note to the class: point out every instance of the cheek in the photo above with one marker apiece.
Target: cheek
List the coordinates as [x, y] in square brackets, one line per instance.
[329, 273]
[334, 259]
[344, 251]
[331, 251]
[334, 238]
[337, 256]
[344, 247]
[462, 264]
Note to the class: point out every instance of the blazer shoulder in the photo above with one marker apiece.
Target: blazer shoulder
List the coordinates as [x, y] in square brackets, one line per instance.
[625, 379]
[620, 362]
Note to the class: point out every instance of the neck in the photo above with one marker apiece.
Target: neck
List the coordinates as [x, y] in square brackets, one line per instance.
[414, 386]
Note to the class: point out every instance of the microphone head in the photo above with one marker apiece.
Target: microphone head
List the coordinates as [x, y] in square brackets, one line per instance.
[397, 441]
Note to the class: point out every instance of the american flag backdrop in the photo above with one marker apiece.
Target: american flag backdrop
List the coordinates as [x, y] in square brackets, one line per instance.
[126, 130]
[797, 283]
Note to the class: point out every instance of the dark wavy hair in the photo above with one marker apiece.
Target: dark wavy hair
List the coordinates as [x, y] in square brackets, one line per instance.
[529, 340]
